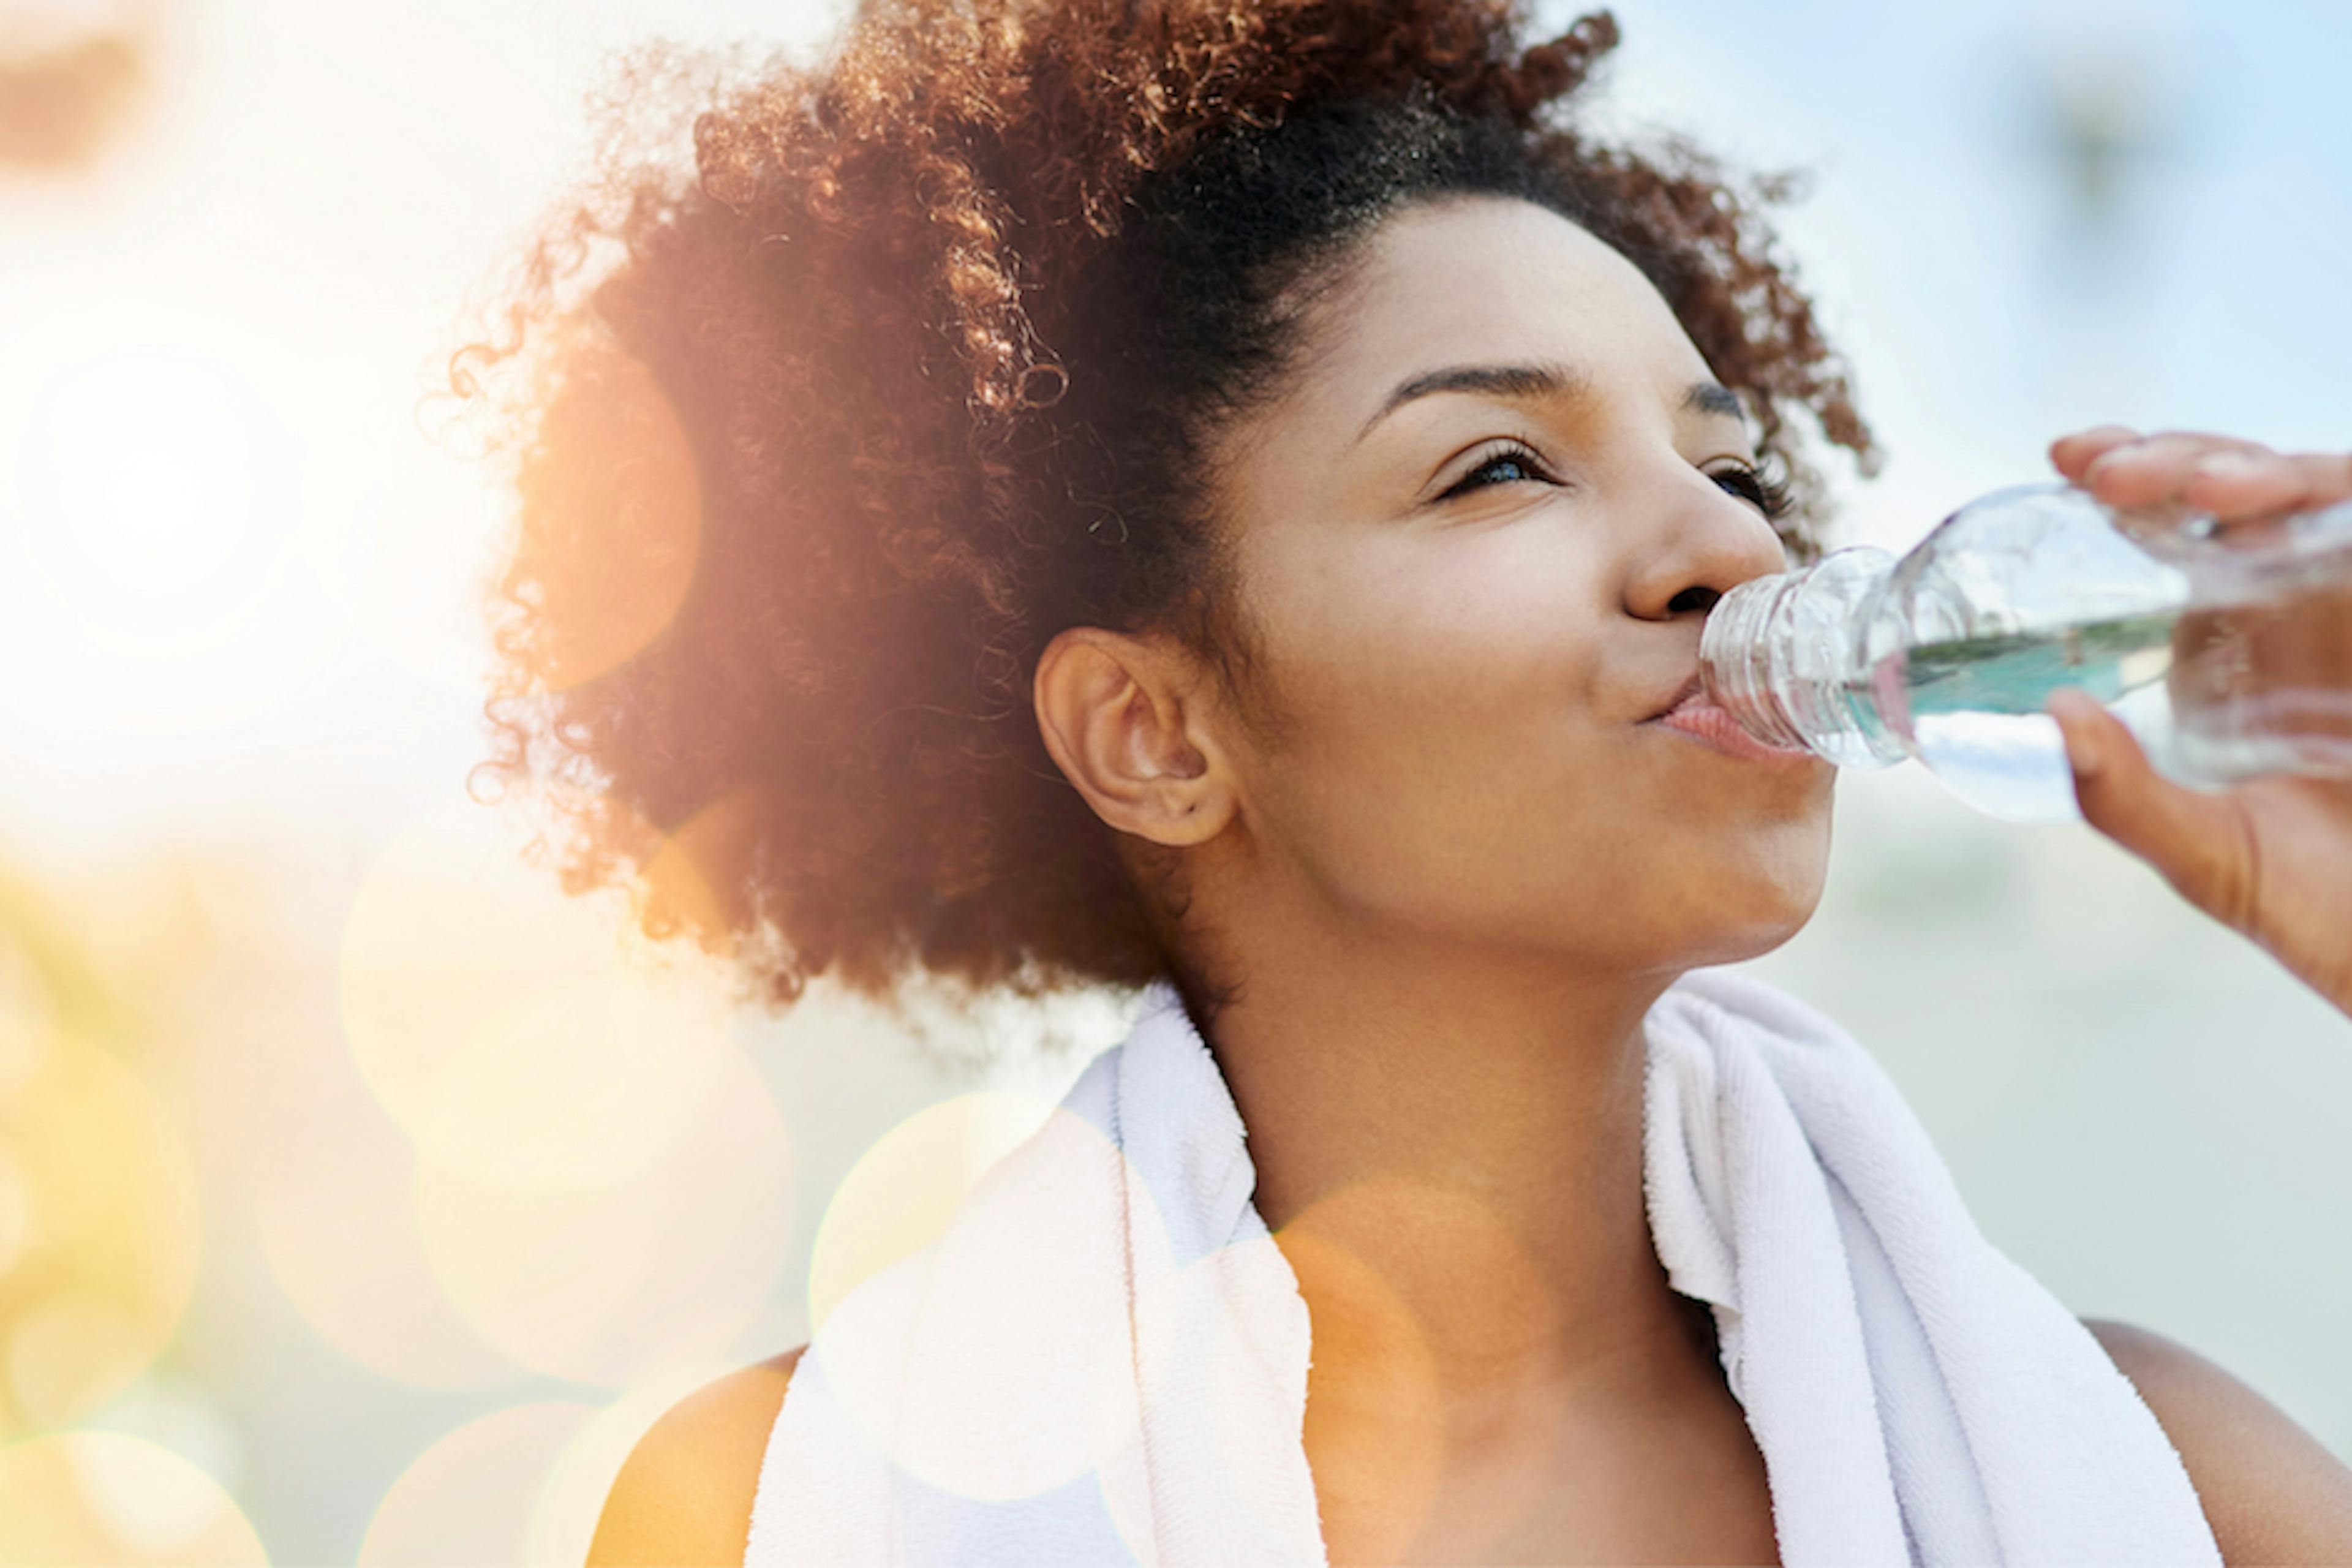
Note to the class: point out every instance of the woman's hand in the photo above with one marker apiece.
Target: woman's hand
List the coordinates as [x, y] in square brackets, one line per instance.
[2269, 857]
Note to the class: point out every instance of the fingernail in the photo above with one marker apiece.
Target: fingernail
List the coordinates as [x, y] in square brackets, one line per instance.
[2226, 465]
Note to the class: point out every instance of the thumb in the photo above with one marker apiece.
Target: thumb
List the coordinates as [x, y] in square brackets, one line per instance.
[2198, 842]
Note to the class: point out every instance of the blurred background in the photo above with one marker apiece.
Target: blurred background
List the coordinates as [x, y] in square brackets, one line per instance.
[363, 1198]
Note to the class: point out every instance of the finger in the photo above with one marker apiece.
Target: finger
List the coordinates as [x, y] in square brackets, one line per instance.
[2239, 484]
[2330, 474]
[2232, 484]
[2199, 843]
[2072, 454]
[2153, 470]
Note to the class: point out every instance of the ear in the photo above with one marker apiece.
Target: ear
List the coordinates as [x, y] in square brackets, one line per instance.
[1123, 720]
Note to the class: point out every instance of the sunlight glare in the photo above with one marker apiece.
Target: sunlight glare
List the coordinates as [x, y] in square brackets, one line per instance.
[108, 1258]
[470, 1497]
[75, 1498]
[902, 1192]
[334, 1208]
[520, 1035]
[1033, 1327]
[565, 1523]
[608, 1283]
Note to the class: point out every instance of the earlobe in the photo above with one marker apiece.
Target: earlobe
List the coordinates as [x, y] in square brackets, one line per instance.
[1112, 711]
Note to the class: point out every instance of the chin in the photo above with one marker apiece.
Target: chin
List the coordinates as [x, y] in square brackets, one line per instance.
[1715, 925]
[1734, 937]
[1757, 942]
[1763, 910]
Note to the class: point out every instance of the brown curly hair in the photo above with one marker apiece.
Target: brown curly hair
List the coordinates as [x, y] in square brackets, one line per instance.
[817, 448]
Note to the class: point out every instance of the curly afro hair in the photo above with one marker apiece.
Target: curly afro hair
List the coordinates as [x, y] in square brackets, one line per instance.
[817, 446]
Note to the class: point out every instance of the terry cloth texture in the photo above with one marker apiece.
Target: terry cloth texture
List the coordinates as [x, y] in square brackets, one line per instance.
[1103, 1359]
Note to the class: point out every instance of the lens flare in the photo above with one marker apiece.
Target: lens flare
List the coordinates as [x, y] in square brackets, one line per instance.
[334, 1208]
[685, 889]
[106, 1216]
[1375, 1421]
[1034, 1322]
[614, 474]
[609, 1283]
[16, 1212]
[158, 473]
[472, 1495]
[26, 1035]
[72, 1497]
[902, 1192]
[564, 1525]
[522, 1037]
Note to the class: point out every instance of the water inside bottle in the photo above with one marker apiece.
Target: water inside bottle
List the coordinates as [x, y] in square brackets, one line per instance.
[2213, 696]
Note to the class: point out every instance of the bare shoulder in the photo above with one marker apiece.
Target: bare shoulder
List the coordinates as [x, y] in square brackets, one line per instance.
[684, 1494]
[2271, 1491]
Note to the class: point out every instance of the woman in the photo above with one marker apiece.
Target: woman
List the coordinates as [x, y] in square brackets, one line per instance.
[1221, 496]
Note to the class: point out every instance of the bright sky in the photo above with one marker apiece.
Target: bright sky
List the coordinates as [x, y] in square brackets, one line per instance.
[232, 568]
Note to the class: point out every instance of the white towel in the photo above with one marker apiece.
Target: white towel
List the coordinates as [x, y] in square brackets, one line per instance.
[1104, 1358]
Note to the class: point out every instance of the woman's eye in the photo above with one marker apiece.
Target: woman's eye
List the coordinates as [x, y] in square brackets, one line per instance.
[1771, 499]
[1509, 465]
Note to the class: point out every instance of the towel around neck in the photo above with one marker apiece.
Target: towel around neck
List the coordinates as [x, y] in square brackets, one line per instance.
[1104, 1358]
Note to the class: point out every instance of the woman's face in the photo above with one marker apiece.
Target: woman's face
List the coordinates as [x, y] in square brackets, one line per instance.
[1468, 534]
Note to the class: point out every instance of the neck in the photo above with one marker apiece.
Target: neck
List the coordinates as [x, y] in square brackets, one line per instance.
[1448, 1145]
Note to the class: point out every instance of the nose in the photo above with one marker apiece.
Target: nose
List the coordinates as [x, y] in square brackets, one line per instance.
[1707, 543]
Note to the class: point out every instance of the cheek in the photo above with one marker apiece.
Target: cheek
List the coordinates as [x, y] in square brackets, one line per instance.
[1421, 693]
[1448, 631]
[1441, 716]
[1433, 788]
[1462, 757]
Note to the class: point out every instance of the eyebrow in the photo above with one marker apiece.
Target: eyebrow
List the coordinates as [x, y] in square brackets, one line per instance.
[1710, 398]
[1539, 380]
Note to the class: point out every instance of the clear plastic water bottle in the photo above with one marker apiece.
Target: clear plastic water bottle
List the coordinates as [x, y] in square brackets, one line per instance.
[2228, 652]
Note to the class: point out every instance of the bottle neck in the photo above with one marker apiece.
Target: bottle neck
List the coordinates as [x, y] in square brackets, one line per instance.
[1782, 655]
[1736, 656]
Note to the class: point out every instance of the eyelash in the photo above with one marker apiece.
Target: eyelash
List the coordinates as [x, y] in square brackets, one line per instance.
[1771, 497]
[1505, 452]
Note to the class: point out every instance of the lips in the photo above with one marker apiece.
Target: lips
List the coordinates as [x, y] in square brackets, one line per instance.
[1696, 715]
[1689, 690]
